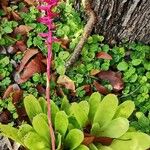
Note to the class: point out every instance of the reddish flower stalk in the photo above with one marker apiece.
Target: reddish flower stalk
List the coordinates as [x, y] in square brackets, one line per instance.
[48, 20]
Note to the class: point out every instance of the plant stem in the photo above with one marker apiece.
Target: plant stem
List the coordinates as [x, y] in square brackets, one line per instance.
[48, 96]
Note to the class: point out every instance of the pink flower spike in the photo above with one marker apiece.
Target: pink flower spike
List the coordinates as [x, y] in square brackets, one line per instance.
[44, 35]
[51, 14]
[43, 7]
[47, 7]
[45, 20]
[49, 40]
[50, 1]
[55, 40]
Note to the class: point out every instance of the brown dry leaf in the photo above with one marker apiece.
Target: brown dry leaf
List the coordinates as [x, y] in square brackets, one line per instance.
[87, 88]
[94, 72]
[22, 115]
[3, 50]
[17, 96]
[101, 89]
[28, 55]
[114, 78]
[15, 92]
[15, 16]
[5, 117]
[22, 29]
[4, 3]
[11, 88]
[30, 2]
[20, 45]
[11, 50]
[103, 55]
[34, 66]
[66, 82]
[64, 42]
[41, 90]
[59, 91]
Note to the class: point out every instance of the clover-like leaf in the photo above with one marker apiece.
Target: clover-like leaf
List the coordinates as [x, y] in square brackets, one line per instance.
[106, 110]
[73, 139]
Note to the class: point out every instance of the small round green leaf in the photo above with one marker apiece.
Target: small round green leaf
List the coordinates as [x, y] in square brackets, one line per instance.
[122, 66]
[136, 62]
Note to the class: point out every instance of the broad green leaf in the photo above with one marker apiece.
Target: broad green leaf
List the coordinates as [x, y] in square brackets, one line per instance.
[132, 141]
[125, 109]
[58, 141]
[73, 123]
[94, 102]
[23, 130]
[43, 104]
[65, 105]
[32, 106]
[34, 141]
[106, 110]
[93, 147]
[10, 132]
[104, 148]
[61, 122]
[95, 130]
[142, 139]
[80, 112]
[125, 143]
[73, 139]
[82, 147]
[54, 110]
[40, 124]
[116, 128]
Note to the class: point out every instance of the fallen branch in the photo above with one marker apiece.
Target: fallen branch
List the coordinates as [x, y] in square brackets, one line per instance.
[86, 33]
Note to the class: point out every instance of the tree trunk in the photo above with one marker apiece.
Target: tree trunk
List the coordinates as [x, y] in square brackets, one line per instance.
[122, 20]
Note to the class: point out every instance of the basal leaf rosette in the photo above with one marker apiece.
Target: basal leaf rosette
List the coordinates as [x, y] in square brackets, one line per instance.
[93, 124]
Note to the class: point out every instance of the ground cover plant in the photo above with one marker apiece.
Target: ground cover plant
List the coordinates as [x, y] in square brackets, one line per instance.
[122, 69]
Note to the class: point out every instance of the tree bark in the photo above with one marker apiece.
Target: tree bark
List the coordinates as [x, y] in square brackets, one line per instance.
[122, 20]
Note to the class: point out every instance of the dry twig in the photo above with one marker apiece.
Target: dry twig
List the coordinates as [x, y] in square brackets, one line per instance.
[86, 33]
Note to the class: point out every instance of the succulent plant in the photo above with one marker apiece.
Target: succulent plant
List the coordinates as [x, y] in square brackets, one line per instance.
[93, 124]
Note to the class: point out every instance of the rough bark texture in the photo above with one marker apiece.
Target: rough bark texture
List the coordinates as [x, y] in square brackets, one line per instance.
[122, 20]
